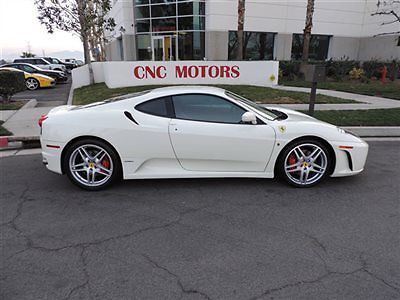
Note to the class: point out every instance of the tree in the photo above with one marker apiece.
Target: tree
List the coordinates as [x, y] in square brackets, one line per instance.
[307, 30]
[11, 82]
[85, 18]
[27, 54]
[390, 8]
[241, 12]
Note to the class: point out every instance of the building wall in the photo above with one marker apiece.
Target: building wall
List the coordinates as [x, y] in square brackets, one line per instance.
[217, 45]
[348, 22]
[344, 47]
[379, 48]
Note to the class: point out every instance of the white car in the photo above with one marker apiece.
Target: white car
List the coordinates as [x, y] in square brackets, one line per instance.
[41, 63]
[188, 132]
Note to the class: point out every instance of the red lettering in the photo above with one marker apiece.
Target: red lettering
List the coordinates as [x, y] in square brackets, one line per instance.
[213, 71]
[161, 74]
[150, 71]
[181, 72]
[136, 72]
[225, 72]
[235, 73]
[193, 71]
[203, 71]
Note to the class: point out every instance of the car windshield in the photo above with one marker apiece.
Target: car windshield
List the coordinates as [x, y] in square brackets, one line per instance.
[254, 105]
[114, 99]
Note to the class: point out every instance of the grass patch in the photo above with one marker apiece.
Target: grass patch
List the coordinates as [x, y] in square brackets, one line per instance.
[13, 105]
[4, 131]
[100, 91]
[374, 88]
[371, 117]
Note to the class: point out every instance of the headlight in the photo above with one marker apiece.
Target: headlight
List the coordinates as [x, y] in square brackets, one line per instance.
[344, 131]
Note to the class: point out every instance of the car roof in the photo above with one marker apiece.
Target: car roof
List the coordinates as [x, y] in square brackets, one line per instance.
[186, 89]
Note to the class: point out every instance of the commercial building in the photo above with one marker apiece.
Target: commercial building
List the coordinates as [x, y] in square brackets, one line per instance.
[206, 30]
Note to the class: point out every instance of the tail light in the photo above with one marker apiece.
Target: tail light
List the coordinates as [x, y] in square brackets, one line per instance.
[42, 119]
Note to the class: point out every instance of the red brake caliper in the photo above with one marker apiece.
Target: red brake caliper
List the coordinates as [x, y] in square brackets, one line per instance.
[292, 160]
[105, 163]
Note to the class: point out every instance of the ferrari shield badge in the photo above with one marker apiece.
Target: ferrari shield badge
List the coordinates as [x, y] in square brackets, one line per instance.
[282, 129]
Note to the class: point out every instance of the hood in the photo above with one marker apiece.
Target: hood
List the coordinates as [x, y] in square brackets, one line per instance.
[43, 76]
[296, 116]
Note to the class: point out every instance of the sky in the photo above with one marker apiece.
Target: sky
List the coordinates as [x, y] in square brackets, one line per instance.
[20, 30]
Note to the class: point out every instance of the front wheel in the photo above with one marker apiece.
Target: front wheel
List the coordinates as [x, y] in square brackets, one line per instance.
[91, 164]
[32, 84]
[305, 163]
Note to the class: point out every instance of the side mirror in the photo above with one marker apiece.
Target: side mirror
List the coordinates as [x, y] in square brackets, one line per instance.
[249, 118]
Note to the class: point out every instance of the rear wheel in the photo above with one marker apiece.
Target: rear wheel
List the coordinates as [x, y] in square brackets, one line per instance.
[32, 84]
[92, 164]
[305, 163]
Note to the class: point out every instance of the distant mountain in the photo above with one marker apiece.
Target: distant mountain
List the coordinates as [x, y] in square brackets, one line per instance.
[66, 54]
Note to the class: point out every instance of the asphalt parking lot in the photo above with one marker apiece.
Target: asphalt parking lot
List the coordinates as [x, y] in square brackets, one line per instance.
[201, 239]
[58, 93]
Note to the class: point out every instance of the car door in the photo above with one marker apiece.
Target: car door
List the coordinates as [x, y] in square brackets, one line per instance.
[207, 135]
[41, 63]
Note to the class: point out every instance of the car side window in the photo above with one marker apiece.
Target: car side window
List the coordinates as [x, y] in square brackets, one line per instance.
[157, 107]
[207, 108]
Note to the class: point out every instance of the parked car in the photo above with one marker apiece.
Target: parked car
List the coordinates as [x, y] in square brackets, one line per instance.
[77, 62]
[34, 81]
[41, 63]
[54, 60]
[189, 132]
[59, 76]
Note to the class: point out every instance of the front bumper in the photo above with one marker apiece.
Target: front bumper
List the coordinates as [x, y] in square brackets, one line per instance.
[350, 158]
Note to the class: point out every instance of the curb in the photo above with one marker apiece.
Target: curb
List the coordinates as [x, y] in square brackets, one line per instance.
[70, 95]
[30, 104]
[19, 142]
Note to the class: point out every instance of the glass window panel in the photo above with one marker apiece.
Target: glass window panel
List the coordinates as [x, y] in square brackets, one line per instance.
[256, 45]
[143, 44]
[143, 26]
[157, 107]
[142, 12]
[191, 23]
[191, 45]
[168, 24]
[139, 2]
[161, 1]
[206, 108]
[319, 46]
[165, 10]
[191, 8]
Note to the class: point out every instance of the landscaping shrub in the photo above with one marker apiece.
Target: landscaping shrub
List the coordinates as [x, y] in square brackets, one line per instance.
[356, 73]
[11, 83]
[373, 68]
[338, 69]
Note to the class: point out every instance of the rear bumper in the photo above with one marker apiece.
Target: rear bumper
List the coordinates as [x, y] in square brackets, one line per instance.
[51, 155]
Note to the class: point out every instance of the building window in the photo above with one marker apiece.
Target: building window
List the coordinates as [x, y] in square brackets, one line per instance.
[170, 29]
[319, 45]
[256, 45]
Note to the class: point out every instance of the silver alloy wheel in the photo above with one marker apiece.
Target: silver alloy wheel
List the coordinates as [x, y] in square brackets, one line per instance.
[306, 164]
[91, 165]
[32, 84]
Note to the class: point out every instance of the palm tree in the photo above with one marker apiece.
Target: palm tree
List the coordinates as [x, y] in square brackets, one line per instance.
[307, 30]
[241, 10]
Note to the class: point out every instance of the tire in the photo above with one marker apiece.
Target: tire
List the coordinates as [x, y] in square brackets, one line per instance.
[92, 164]
[32, 84]
[304, 163]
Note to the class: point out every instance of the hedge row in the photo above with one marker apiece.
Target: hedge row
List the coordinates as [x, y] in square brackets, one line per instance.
[340, 69]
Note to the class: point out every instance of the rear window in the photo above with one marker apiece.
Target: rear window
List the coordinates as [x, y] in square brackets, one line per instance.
[156, 107]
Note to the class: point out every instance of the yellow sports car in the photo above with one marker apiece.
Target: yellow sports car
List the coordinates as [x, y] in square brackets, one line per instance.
[34, 81]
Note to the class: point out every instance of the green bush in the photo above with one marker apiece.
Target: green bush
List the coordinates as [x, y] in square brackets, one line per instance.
[290, 69]
[339, 69]
[373, 68]
[11, 83]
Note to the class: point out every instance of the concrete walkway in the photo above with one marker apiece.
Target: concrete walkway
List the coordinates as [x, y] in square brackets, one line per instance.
[366, 102]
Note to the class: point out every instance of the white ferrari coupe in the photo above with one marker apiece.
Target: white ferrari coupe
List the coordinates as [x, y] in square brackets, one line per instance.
[193, 131]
